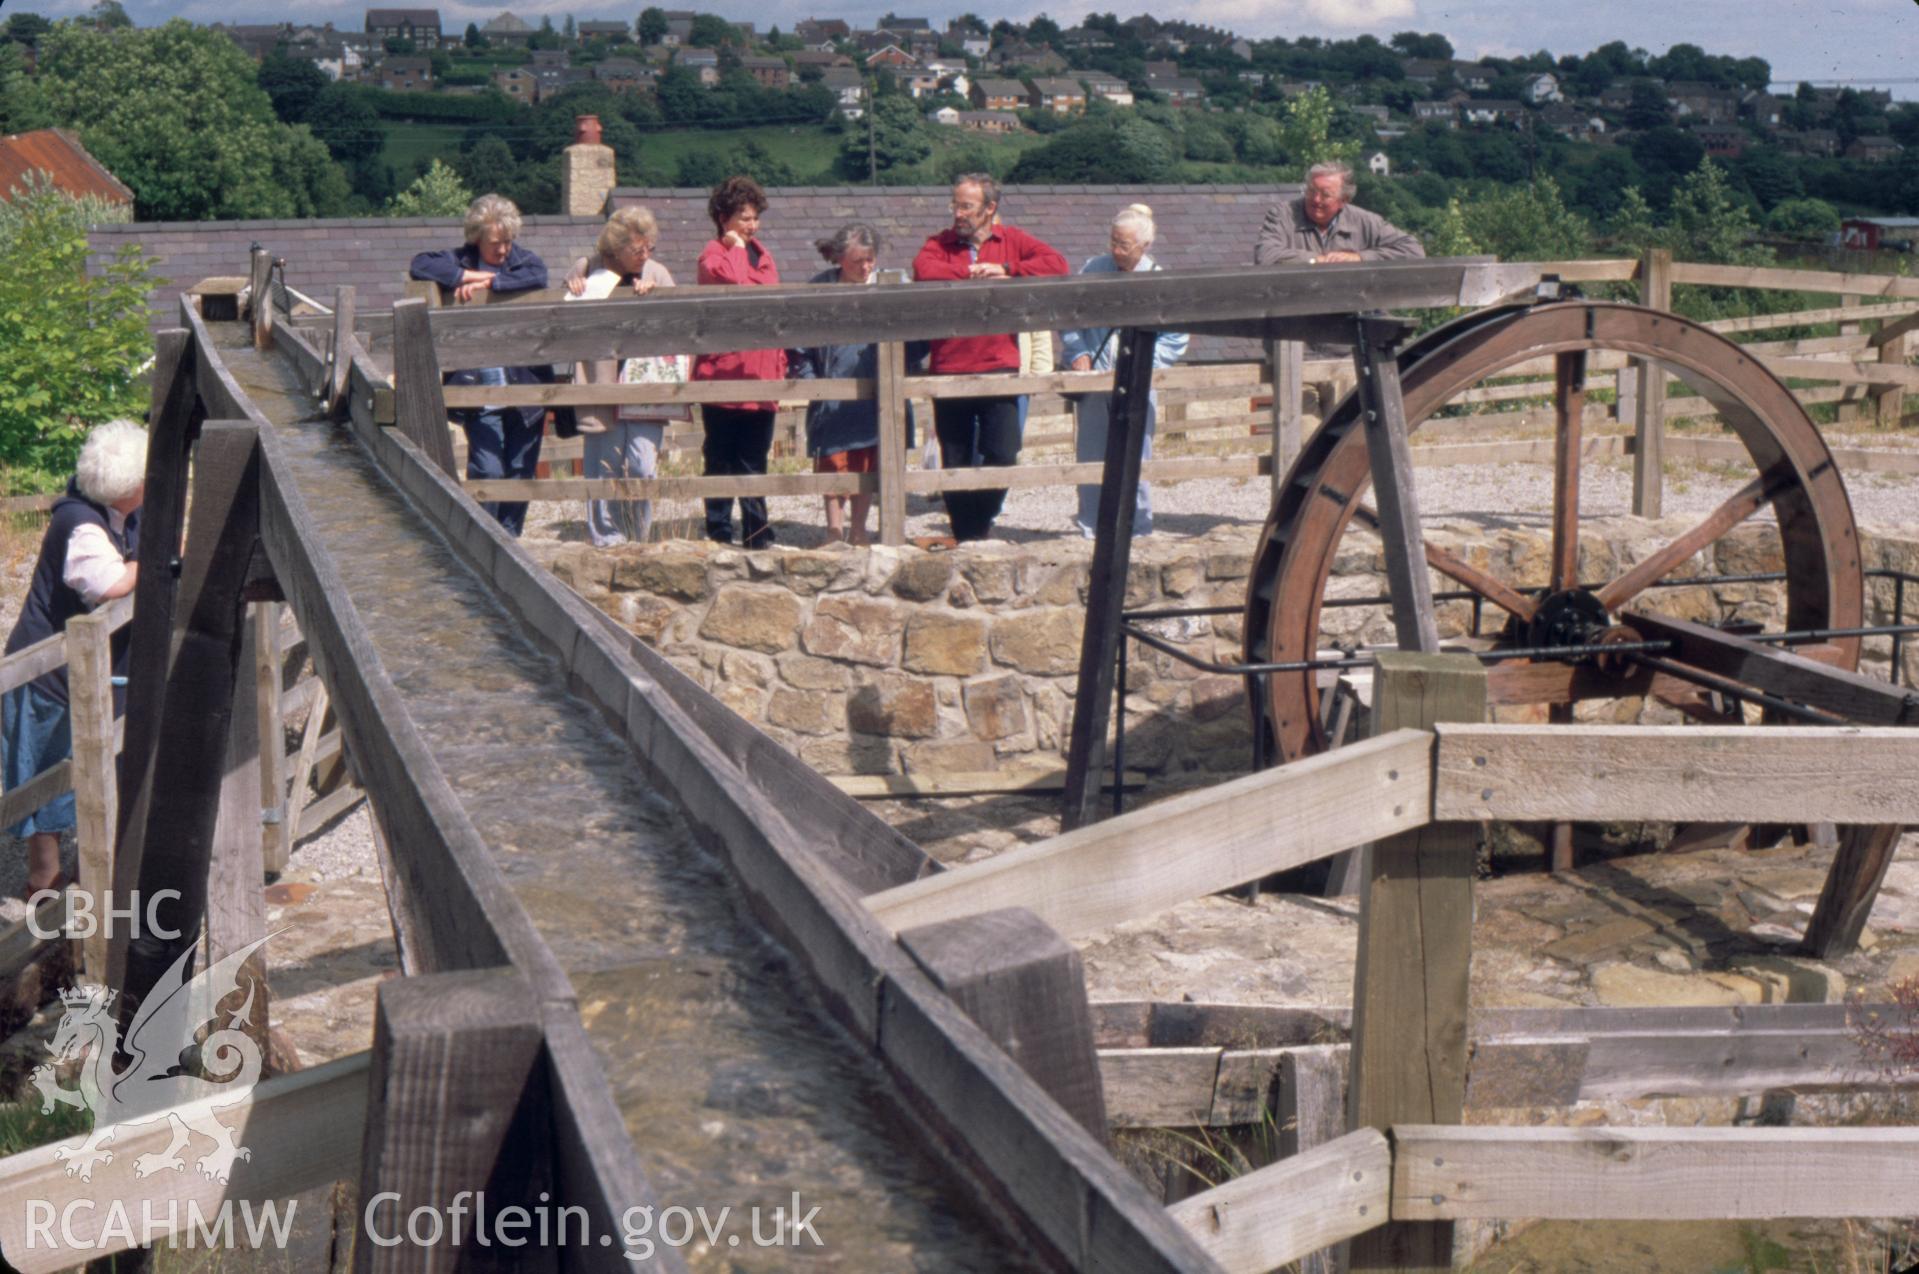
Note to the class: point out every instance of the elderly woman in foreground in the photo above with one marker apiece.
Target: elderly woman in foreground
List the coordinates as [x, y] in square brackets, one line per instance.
[1094, 349]
[624, 441]
[501, 442]
[86, 558]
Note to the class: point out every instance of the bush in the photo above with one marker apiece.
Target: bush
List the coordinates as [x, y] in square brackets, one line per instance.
[1803, 219]
[73, 346]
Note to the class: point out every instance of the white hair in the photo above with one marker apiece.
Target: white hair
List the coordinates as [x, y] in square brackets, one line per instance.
[113, 462]
[1138, 218]
[1348, 187]
[492, 210]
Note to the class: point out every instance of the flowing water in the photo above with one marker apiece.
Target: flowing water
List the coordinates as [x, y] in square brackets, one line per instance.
[737, 1090]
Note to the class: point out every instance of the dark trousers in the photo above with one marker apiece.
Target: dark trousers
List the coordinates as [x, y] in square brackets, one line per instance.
[737, 442]
[976, 433]
[504, 444]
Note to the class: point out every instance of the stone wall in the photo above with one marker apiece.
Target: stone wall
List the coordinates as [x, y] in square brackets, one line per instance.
[901, 661]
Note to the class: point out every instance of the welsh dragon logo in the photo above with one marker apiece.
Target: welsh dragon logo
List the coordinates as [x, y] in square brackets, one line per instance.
[156, 1084]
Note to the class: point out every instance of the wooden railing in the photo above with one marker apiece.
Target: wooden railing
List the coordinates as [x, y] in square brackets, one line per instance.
[1248, 419]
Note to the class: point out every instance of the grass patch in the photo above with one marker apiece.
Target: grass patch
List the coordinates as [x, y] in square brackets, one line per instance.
[22, 1126]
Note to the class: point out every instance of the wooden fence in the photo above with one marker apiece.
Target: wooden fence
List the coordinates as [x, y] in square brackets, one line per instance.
[1250, 419]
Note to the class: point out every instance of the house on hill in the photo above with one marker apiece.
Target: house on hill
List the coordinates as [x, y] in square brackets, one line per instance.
[422, 26]
[892, 57]
[508, 29]
[625, 75]
[768, 72]
[1110, 87]
[1722, 141]
[521, 83]
[57, 152]
[1543, 88]
[705, 63]
[1877, 149]
[1492, 110]
[813, 32]
[1058, 95]
[996, 122]
[404, 75]
[972, 43]
[613, 32]
[679, 27]
[1182, 90]
[998, 94]
[1697, 103]
[850, 86]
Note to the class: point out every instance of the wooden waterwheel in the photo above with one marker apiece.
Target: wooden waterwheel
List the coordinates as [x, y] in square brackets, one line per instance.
[1325, 496]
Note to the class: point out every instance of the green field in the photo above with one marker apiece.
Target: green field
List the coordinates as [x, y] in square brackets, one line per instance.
[409, 146]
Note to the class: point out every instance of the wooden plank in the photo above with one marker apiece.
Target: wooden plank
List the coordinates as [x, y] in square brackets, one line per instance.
[1806, 318]
[1787, 774]
[1410, 998]
[168, 839]
[1198, 843]
[1845, 371]
[1283, 1213]
[1851, 695]
[90, 693]
[456, 1102]
[296, 798]
[1286, 358]
[892, 458]
[1592, 270]
[1631, 1174]
[419, 402]
[1649, 399]
[340, 354]
[481, 336]
[329, 807]
[236, 912]
[268, 681]
[1845, 901]
[303, 356]
[1130, 406]
[1738, 276]
[1050, 778]
[699, 391]
[1023, 985]
[260, 304]
[303, 1131]
[1160, 1087]
[1394, 496]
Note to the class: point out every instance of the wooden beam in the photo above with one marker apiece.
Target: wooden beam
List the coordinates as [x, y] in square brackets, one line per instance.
[891, 392]
[302, 1131]
[1283, 1213]
[340, 368]
[1649, 399]
[260, 301]
[1739, 276]
[486, 336]
[1410, 997]
[1100, 637]
[1049, 778]
[1653, 1174]
[1023, 985]
[1710, 774]
[1384, 412]
[95, 795]
[698, 391]
[1845, 901]
[268, 676]
[236, 909]
[1851, 695]
[419, 402]
[456, 1102]
[1149, 859]
[1286, 358]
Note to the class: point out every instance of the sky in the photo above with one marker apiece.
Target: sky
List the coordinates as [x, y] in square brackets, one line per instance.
[1867, 42]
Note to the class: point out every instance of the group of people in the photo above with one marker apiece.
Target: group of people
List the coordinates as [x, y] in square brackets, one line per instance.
[981, 430]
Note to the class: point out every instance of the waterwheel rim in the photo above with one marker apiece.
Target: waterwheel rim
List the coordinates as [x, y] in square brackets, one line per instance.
[1324, 490]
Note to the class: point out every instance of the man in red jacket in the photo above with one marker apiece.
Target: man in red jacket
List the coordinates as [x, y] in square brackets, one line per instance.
[979, 431]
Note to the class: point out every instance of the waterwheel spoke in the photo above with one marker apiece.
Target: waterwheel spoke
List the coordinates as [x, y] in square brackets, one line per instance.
[1742, 504]
[1462, 572]
[1569, 404]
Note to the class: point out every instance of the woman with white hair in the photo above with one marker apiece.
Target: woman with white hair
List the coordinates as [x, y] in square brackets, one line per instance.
[501, 442]
[1094, 349]
[86, 558]
[624, 441]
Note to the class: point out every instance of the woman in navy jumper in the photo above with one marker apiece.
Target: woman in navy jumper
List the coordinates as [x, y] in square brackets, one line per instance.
[501, 442]
[86, 558]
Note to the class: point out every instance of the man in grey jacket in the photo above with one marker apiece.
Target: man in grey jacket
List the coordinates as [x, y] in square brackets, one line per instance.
[1323, 228]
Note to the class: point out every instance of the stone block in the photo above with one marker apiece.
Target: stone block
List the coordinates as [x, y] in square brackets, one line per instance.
[809, 572]
[945, 645]
[645, 616]
[751, 670]
[852, 754]
[1065, 586]
[961, 595]
[763, 619]
[1044, 641]
[996, 707]
[922, 577]
[1229, 566]
[1627, 985]
[855, 629]
[804, 672]
[895, 706]
[948, 756]
[994, 578]
[1216, 695]
[681, 576]
[806, 711]
[1177, 579]
[745, 700]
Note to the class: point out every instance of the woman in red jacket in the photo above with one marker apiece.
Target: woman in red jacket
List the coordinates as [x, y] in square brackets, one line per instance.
[738, 435]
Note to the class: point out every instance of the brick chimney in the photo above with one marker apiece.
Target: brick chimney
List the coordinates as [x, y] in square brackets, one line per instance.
[586, 170]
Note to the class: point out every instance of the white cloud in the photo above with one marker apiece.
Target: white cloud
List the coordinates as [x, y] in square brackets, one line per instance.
[1295, 17]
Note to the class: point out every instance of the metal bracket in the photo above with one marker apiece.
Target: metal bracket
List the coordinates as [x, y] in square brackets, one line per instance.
[273, 815]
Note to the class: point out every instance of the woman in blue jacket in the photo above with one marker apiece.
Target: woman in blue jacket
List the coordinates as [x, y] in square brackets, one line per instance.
[843, 437]
[1093, 349]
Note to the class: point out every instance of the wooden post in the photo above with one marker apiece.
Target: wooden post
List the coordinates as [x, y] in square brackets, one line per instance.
[1106, 594]
[303, 765]
[1847, 409]
[1312, 1112]
[1858, 868]
[1286, 359]
[419, 405]
[1649, 421]
[268, 671]
[1889, 401]
[166, 837]
[1384, 412]
[236, 877]
[344, 346]
[1410, 995]
[90, 691]
[262, 293]
[456, 1102]
[1023, 985]
[889, 394]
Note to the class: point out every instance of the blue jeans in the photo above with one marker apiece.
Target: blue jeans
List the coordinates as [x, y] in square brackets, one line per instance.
[38, 735]
[1095, 417]
[503, 442]
[628, 449]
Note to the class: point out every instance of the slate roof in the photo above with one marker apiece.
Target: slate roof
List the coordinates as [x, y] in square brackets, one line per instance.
[1199, 225]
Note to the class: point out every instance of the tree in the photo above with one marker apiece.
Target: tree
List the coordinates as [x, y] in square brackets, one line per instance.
[109, 15]
[1528, 223]
[1648, 108]
[1708, 222]
[1043, 29]
[399, 46]
[1633, 228]
[438, 192]
[710, 31]
[1666, 154]
[1811, 219]
[1433, 48]
[292, 85]
[476, 38]
[343, 119]
[1132, 150]
[900, 138]
[569, 30]
[652, 25]
[27, 28]
[544, 38]
[72, 343]
[174, 111]
[1306, 132]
